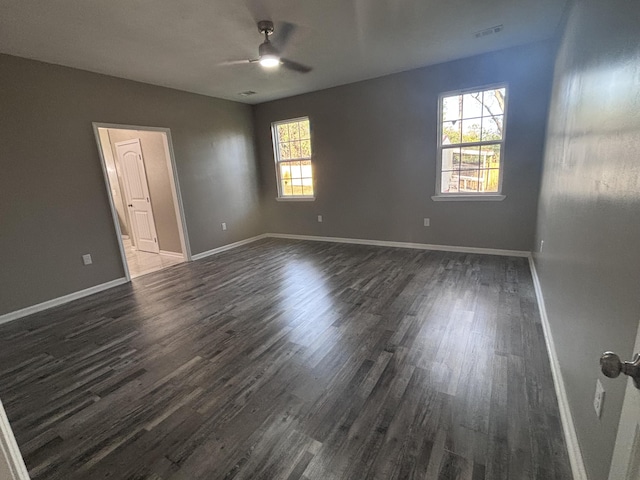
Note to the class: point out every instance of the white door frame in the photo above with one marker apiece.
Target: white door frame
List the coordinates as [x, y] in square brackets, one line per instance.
[11, 462]
[173, 177]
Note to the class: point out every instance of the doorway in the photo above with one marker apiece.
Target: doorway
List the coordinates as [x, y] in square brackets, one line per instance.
[144, 194]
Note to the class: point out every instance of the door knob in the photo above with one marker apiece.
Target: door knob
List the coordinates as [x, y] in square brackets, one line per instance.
[130, 205]
[611, 367]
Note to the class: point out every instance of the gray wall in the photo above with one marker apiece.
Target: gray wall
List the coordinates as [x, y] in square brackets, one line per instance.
[374, 147]
[53, 200]
[589, 213]
[155, 162]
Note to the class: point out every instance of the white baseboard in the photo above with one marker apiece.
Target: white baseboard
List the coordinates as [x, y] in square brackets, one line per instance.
[171, 254]
[11, 462]
[381, 243]
[570, 436]
[230, 246]
[7, 317]
[418, 246]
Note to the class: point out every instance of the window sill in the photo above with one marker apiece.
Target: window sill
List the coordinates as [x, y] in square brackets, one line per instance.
[468, 198]
[296, 199]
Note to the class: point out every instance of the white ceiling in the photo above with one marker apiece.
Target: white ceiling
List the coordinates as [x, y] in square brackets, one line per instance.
[180, 43]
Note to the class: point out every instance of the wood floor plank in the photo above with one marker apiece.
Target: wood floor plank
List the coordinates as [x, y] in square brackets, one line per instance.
[291, 360]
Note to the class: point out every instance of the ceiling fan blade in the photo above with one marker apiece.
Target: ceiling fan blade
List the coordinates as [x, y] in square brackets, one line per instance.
[295, 66]
[237, 62]
[282, 35]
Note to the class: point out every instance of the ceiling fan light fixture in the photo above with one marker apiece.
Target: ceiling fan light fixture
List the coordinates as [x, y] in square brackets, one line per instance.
[269, 61]
[268, 54]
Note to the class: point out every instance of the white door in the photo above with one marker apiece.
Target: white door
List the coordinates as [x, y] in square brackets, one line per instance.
[625, 464]
[137, 193]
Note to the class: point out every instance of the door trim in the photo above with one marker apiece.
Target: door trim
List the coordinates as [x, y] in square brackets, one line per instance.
[173, 177]
[9, 451]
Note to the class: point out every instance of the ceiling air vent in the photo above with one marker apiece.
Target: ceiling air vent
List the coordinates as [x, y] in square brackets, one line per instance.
[488, 31]
[248, 93]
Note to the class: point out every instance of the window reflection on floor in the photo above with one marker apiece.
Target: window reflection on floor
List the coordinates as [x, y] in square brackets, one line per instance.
[303, 284]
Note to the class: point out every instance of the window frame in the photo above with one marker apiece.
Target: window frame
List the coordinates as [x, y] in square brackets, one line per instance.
[276, 157]
[471, 196]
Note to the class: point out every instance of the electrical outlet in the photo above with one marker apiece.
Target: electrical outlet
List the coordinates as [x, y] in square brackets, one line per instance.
[427, 222]
[86, 259]
[598, 400]
[320, 218]
[224, 226]
[541, 245]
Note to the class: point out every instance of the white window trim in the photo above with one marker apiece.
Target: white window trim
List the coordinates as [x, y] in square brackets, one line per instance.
[291, 198]
[474, 197]
[276, 156]
[471, 196]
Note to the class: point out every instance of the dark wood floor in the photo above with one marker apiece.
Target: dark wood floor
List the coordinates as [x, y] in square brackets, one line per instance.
[291, 360]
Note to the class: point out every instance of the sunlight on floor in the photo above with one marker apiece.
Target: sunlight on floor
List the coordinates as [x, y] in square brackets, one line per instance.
[141, 263]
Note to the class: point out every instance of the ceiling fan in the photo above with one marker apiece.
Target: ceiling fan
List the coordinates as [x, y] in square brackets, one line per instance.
[268, 55]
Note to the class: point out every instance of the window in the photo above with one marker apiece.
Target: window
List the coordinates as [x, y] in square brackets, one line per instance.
[471, 142]
[292, 148]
